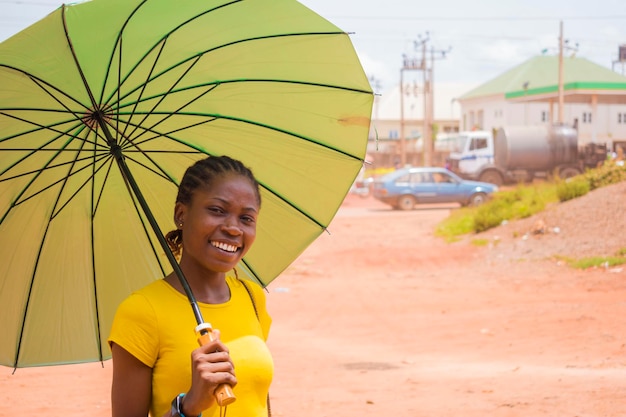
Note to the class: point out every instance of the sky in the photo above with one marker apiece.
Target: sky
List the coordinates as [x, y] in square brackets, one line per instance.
[472, 42]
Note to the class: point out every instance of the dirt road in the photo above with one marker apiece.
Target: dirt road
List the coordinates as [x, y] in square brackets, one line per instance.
[380, 318]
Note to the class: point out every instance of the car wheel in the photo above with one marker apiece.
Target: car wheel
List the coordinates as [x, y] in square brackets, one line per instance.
[406, 202]
[477, 199]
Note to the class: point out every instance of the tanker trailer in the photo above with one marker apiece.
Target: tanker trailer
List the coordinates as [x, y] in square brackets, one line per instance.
[522, 153]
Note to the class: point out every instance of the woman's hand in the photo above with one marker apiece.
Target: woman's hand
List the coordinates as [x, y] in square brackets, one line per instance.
[211, 366]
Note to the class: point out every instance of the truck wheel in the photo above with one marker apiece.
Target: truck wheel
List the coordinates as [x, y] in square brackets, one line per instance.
[568, 172]
[406, 202]
[492, 177]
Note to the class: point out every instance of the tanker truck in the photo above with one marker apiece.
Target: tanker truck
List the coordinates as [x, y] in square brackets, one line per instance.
[522, 153]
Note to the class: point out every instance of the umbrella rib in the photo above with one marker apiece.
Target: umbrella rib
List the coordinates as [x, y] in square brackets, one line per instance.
[161, 173]
[39, 84]
[34, 171]
[94, 153]
[27, 304]
[136, 143]
[201, 53]
[143, 89]
[265, 126]
[246, 80]
[78, 189]
[95, 206]
[76, 62]
[33, 150]
[143, 224]
[55, 212]
[264, 186]
[16, 200]
[163, 96]
[40, 128]
[160, 41]
[254, 274]
[35, 268]
[118, 42]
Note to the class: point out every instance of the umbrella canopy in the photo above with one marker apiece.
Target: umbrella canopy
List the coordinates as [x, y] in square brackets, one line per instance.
[104, 104]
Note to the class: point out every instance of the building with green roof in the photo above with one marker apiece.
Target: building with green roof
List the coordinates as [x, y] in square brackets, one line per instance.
[594, 99]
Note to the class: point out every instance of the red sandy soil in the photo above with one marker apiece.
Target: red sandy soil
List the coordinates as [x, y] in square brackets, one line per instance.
[382, 318]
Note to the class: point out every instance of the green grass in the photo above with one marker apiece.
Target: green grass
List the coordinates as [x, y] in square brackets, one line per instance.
[594, 261]
[521, 202]
[524, 201]
[481, 242]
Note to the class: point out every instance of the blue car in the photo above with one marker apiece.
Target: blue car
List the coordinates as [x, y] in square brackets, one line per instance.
[404, 188]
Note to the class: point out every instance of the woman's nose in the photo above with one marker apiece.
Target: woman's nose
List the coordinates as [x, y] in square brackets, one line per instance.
[231, 226]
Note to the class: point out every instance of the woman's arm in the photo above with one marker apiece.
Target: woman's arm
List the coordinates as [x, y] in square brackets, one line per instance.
[132, 385]
[132, 380]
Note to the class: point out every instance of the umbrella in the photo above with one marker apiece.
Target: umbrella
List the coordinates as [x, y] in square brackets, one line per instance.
[104, 104]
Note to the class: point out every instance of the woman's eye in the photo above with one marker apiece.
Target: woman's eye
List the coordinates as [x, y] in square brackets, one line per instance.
[248, 219]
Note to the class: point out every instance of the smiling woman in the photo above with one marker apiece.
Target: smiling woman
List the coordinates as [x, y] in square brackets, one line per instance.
[216, 213]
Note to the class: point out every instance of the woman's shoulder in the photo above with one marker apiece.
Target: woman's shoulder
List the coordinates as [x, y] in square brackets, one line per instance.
[245, 284]
[151, 293]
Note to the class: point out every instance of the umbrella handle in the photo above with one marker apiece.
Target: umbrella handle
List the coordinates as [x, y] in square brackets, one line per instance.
[223, 393]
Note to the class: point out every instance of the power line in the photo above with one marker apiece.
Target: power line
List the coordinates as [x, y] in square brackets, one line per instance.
[481, 18]
[29, 3]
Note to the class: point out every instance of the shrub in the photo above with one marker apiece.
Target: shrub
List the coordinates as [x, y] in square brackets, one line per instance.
[521, 202]
[524, 201]
[572, 188]
[486, 217]
[609, 173]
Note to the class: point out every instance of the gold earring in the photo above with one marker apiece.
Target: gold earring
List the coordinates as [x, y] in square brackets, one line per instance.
[180, 224]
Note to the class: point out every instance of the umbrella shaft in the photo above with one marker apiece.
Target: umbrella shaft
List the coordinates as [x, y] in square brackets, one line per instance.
[130, 181]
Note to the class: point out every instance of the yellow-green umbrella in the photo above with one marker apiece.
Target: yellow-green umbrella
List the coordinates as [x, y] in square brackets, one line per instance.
[104, 104]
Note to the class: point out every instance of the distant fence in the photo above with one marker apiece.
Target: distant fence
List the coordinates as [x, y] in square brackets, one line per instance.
[393, 159]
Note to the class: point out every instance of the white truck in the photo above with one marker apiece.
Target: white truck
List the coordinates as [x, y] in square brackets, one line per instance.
[521, 153]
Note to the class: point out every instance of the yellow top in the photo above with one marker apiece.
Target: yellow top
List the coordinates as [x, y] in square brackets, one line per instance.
[156, 325]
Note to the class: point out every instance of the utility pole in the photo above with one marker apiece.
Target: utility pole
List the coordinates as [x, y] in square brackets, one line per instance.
[427, 158]
[561, 98]
[408, 64]
[563, 46]
[429, 104]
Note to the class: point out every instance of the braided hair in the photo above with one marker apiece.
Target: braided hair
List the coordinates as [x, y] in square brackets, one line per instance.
[202, 174]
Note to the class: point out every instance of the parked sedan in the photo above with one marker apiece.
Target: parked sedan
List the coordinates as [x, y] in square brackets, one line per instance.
[404, 188]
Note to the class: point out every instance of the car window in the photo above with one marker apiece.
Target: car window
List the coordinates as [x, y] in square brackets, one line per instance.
[445, 178]
[417, 178]
[427, 177]
[403, 179]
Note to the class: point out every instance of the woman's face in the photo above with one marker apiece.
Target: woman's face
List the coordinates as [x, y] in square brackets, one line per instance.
[219, 225]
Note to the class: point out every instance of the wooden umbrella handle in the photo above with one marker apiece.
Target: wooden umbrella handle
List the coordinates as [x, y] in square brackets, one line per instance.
[223, 393]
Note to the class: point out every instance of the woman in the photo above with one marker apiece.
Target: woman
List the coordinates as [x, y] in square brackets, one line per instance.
[152, 337]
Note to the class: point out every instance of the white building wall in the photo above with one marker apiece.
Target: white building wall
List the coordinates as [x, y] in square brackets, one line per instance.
[604, 127]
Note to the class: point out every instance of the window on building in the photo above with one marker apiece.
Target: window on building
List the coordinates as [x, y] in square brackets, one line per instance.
[621, 118]
[586, 117]
[544, 116]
